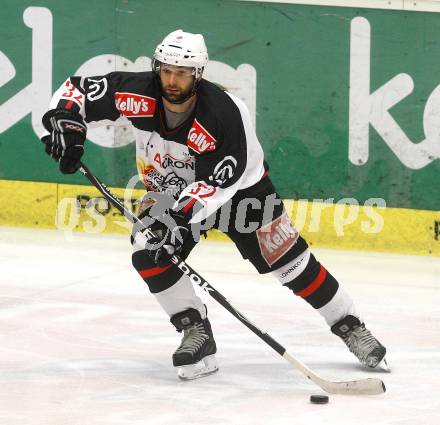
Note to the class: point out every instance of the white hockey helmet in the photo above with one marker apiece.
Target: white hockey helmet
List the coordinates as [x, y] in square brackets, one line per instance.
[182, 49]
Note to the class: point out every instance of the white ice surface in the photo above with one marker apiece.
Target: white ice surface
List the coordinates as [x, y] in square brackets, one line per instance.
[82, 342]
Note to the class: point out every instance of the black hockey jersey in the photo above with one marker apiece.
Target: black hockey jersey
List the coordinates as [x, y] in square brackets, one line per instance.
[207, 158]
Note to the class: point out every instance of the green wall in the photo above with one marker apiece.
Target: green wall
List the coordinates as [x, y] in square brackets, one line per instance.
[301, 55]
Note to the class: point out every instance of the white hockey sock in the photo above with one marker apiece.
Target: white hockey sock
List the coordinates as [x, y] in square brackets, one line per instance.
[292, 269]
[179, 297]
[338, 307]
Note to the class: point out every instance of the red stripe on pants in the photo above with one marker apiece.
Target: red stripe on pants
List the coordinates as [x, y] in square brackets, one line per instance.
[315, 285]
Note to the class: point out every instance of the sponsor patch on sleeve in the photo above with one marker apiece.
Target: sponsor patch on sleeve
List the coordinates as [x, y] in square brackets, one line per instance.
[224, 171]
[96, 88]
[276, 238]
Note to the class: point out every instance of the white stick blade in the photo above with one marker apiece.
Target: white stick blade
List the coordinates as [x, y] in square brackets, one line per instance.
[368, 386]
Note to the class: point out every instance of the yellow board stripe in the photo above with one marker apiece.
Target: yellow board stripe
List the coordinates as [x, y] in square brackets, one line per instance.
[27, 204]
[353, 227]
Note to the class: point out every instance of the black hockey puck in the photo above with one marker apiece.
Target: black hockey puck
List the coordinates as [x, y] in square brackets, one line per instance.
[319, 399]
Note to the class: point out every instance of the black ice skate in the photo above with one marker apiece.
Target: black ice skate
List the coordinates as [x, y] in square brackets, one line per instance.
[194, 357]
[360, 341]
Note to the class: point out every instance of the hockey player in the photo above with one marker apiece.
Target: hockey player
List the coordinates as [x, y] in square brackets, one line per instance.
[195, 142]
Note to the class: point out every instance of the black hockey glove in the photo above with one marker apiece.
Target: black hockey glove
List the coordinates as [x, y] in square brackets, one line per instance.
[66, 140]
[162, 236]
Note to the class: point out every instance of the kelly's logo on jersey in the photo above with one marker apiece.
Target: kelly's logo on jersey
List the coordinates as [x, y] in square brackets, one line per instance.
[199, 139]
[135, 105]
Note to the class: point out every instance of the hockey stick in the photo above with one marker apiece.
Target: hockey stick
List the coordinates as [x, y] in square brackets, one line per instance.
[366, 386]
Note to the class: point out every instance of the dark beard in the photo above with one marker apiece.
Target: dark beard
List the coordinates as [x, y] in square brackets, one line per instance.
[180, 98]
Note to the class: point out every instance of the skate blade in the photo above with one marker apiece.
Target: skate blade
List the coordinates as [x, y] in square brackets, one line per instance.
[204, 367]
